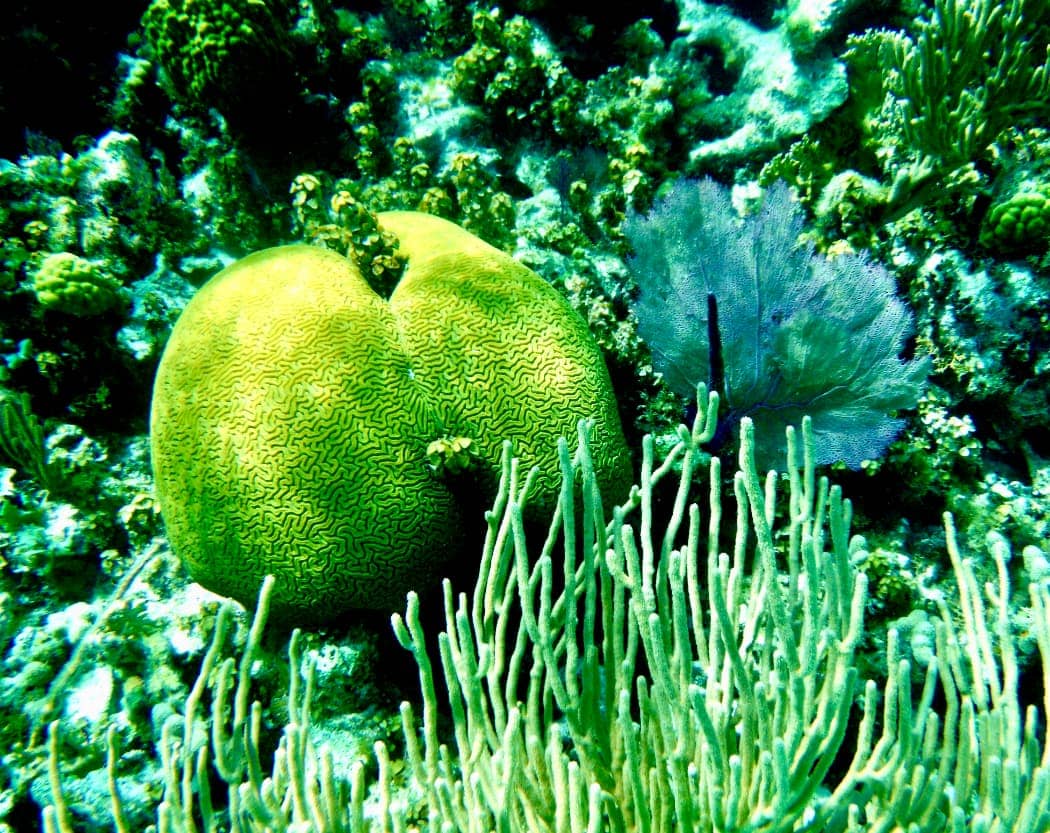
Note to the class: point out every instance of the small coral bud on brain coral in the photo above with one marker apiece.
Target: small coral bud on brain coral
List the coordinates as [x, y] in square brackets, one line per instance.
[451, 456]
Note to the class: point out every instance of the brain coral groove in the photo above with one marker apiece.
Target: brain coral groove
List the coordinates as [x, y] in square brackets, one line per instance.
[293, 408]
[499, 352]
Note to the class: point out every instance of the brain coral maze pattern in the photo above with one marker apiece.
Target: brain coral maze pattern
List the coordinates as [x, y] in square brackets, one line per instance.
[293, 408]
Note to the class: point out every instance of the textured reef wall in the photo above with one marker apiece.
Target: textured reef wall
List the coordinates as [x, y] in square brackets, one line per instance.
[875, 199]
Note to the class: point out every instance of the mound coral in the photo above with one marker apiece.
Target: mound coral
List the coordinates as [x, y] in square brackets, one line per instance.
[75, 286]
[233, 56]
[294, 408]
[1020, 223]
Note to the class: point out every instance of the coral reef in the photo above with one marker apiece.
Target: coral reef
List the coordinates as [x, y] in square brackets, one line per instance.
[778, 89]
[149, 145]
[512, 72]
[233, 56]
[971, 70]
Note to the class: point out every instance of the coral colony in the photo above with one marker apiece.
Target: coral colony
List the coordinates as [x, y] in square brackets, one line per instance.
[469, 417]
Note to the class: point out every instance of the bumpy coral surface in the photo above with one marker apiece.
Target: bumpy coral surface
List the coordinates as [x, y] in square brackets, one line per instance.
[1020, 223]
[75, 286]
[293, 409]
[229, 54]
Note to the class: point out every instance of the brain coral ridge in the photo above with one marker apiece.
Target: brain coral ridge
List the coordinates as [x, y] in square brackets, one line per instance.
[293, 408]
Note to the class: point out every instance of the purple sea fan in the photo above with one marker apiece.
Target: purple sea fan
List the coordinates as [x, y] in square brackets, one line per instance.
[779, 330]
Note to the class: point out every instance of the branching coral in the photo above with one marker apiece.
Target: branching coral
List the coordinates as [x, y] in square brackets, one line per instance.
[972, 69]
[22, 438]
[233, 56]
[934, 100]
[626, 674]
[513, 73]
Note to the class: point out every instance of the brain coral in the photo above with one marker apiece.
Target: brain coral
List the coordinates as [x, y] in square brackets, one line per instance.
[500, 353]
[293, 408]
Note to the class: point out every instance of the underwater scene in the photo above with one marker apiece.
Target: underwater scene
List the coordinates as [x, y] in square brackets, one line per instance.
[463, 417]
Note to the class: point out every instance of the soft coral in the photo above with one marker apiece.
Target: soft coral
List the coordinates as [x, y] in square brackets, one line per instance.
[748, 307]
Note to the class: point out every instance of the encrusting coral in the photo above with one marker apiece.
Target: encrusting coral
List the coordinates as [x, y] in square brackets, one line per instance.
[294, 407]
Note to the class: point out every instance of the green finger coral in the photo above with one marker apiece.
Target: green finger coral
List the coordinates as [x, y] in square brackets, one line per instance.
[294, 408]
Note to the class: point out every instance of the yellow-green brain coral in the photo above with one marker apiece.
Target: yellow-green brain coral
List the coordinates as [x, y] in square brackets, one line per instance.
[293, 409]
